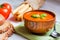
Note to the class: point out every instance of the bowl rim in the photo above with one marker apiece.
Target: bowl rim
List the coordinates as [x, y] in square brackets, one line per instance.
[41, 11]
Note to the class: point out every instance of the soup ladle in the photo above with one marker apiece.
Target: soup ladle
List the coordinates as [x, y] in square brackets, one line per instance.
[55, 34]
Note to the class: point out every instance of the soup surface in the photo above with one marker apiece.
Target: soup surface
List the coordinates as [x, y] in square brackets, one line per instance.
[38, 16]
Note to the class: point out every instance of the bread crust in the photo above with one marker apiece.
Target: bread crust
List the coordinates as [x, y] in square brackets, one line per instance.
[20, 10]
[9, 31]
[4, 27]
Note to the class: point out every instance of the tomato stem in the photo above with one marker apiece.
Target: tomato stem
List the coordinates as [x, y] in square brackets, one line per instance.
[1, 6]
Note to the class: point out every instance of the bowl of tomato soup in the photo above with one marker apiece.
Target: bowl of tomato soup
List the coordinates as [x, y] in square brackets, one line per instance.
[39, 21]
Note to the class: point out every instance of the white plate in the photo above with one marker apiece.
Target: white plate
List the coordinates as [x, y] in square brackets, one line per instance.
[51, 5]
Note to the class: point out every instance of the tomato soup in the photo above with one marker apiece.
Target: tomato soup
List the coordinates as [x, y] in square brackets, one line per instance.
[48, 16]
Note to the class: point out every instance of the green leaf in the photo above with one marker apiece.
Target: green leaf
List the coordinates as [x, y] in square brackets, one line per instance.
[35, 16]
[42, 16]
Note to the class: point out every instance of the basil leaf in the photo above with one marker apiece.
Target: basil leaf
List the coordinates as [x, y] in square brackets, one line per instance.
[35, 16]
[42, 16]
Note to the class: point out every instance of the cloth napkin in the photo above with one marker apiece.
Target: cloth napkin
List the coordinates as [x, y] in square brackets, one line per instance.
[22, 31]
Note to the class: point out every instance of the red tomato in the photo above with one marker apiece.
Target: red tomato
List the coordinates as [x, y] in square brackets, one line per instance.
[5, 10]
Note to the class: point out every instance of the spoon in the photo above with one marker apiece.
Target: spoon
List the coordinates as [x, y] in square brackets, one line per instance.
[54, 34]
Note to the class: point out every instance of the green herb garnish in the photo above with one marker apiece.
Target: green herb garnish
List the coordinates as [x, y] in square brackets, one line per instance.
[42, 16]
[35, 16]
